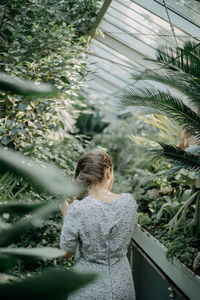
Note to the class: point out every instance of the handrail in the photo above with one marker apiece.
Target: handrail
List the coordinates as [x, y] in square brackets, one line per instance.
[173, 288]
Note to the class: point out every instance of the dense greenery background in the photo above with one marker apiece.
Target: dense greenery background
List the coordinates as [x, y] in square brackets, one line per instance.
[47, 41]
[44, 41]
[162, 167]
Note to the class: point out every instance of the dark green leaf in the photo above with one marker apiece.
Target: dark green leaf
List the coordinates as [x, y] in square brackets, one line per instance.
[19, 208]
[7, 262]
[186, 59]
[46, 176]
[10, 235]
[32, 253]
[25, 87]
[50, 285]
[178, 80]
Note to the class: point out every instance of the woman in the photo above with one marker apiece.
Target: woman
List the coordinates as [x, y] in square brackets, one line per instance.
[102, 224]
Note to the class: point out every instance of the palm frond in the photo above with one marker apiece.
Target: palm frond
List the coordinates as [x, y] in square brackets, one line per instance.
[144, 141]
[167, 129]
[193, 149]
[186, 59]
[166, 104]
[180, 81]
[179, 157]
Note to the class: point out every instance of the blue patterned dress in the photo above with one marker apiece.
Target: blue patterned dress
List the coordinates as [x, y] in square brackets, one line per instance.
[103, 232]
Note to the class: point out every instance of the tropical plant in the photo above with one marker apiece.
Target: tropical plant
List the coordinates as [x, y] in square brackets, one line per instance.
[180, 71]
[153, 182]
[90, 121]
[169, 208]
[183, 212]
[11, 186]
[167, 131]
[187, 219]
[116, 139]
[43, 42]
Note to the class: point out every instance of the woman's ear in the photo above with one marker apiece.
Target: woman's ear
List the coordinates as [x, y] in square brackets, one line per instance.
[108, 173]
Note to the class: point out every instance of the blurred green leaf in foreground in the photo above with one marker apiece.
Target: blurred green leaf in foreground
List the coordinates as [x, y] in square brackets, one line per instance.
[25, 87]
[56, 283]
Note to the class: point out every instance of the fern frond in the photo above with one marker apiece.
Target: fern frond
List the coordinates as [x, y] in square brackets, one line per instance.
[179, 157]
[166, 104]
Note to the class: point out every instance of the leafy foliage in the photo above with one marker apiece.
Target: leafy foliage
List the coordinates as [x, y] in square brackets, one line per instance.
[90, 123]
[159, 189]
[184, 83]
[47, 177]
[181, 216]
[92, 118]
[43, 46]
[11, 186]
[184, 247]
[184, 59]
[165, 103]
[8, 256]
[181, 70]
[182, 159]
[168, 129]
[176, 207]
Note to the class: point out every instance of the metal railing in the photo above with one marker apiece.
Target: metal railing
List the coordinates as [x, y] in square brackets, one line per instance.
[174, 291]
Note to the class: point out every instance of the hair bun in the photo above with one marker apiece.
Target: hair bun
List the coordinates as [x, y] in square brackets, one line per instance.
[91, 167]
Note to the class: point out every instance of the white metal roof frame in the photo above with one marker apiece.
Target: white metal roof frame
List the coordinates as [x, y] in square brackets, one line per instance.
[181, 21]
[131, 33]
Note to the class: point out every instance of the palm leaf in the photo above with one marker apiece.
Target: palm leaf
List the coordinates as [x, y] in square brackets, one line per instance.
[168, 129]
[186, 59]
[164, 103]
[180, 81]
[179, 157]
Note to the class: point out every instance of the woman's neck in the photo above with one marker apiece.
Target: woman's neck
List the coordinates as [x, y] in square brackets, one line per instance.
[99, 189]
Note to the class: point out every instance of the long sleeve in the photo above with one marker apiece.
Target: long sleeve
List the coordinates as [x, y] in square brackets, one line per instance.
[70, 230]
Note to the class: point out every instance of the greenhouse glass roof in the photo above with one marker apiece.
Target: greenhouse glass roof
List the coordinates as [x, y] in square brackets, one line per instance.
[130, 32]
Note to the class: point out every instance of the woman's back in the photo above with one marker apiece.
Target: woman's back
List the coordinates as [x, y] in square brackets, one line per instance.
[110, 226]
[103, 232]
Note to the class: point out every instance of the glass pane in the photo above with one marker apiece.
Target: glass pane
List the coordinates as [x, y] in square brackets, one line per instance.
[130, 35]
[188, 8]
[140, 29]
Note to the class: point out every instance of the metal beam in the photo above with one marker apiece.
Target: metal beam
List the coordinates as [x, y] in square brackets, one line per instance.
[177, 20]
[124, 49]
[100, 16]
